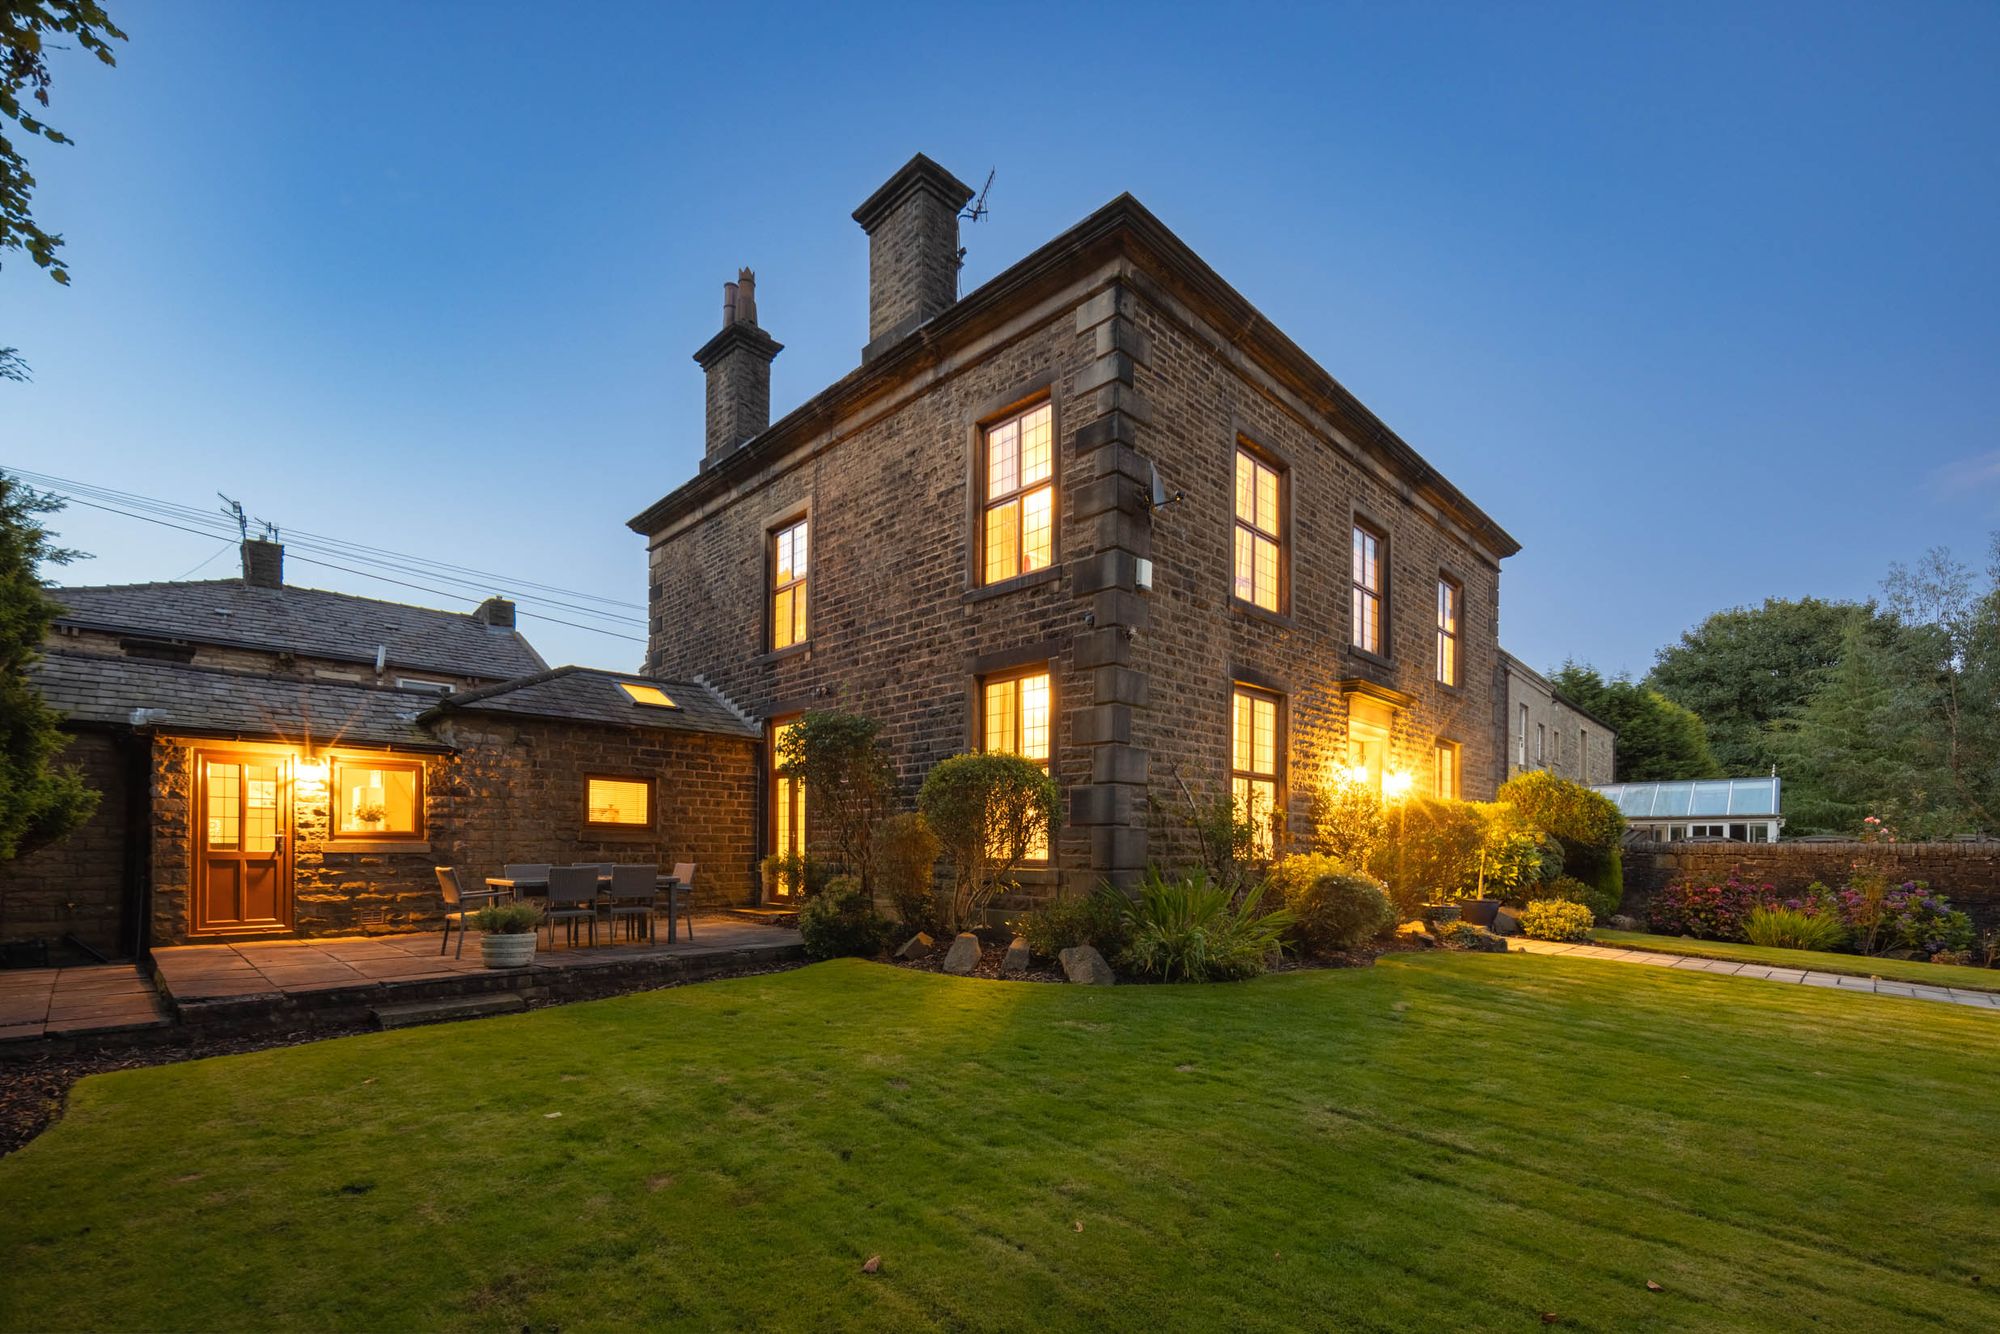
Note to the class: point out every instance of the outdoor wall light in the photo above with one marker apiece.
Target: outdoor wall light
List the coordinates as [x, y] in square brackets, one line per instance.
[1395, 785]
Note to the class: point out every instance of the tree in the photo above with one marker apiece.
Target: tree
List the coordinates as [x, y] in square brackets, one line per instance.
[39, 803]
[1840, 754]
[1586, 824]
[850, 784]
[11, 365]
[1746, 668]
[1658, 740]
[26, 27]
[1943, 696]
[987, 810]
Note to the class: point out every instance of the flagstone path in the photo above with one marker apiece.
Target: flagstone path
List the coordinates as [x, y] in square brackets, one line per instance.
[1978, 1000]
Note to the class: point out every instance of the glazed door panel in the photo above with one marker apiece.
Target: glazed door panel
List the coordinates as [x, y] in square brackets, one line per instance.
[243, 876]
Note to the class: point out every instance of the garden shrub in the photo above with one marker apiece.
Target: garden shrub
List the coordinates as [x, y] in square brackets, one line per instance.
[1557, 919]
[1335, 909]
[906, 857]
[1586, 824]
[1347, 821]
[1571, 890]
[840, 921]
[507, 919]
[1188, 930]
[803, 877]
[1097, 920]
[848, 778]
[1517, 859]
[1793, 928]
[1707, 912]
[987, 810]
[1909, 917]
[1430, 852]
[1466, 936]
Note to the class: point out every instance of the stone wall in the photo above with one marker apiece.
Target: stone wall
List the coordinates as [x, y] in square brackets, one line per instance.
[901, 631]
[1569, 744]
[76, 887]
[1966, 873]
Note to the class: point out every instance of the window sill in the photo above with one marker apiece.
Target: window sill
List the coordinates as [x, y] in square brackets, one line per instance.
[617, 833]
[1019, 583]
[412, 846]
[1251, 611]
[800, 649]
[1355, 650]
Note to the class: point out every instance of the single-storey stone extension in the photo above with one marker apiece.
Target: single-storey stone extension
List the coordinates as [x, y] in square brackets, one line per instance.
[288, 761]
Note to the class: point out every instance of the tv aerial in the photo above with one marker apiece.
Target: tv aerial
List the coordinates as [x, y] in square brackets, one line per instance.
[976, 210]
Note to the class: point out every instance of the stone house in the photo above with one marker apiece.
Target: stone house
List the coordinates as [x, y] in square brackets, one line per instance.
[1099, 512]
[1541, 728]
[277, 760]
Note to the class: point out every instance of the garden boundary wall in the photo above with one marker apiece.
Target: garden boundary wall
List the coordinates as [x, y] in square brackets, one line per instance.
[1967, 873]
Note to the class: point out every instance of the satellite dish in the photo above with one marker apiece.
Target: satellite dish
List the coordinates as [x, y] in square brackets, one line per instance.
[1157, 495]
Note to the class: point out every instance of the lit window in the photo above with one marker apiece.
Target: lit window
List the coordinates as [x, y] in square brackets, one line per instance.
[1014, 720]
[788, 585]
[1367, 608]
[1253, 764]
[788, 810]
[1445, 762]
[1447, 632]
[1019, 523]
[652, 695]
[1370, 726]
[619, 802]
[377, 799]
[1259, 532]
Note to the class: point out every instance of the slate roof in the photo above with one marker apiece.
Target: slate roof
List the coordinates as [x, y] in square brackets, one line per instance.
[308, 621]
[106, 690]
[584, 694]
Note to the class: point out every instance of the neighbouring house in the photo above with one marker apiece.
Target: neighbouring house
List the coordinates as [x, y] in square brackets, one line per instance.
[278, 760]
[1542, 728]
[1744, 810]
[1100, 512]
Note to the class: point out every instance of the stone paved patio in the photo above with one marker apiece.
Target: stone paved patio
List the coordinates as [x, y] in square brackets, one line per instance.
[1977, 1000]
[55, 1002]
[193, 973]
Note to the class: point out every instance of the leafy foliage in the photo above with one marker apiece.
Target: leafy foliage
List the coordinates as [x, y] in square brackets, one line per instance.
[508, 919]
[26, 27]
[801, 877]
[987, 810]
[841, 922]
[1462, 935]
[1333, 909]
[1568, 889]
[1707, 912]
[1516, 858]
[1793, 928]
[1657, 737]
[1347, 821]
[1188, 930]
[1432, 852]
[1556, 919]
[1096, 919]
[850, 784]
[906, 856]
[39, 802]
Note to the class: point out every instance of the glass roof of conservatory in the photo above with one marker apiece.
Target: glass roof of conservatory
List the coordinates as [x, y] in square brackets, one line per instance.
[1710, 797]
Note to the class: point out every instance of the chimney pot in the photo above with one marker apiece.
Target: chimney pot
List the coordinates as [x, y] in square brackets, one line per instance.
[912, 226]
[263, 563]
[728, 304]
[738, 364]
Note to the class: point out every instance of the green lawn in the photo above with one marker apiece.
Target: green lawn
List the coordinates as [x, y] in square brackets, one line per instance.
[1439, 1142]
[1895, 970]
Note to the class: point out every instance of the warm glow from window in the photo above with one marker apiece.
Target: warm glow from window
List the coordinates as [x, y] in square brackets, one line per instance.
[788, 586]
[1445, 764]
[620, 801]
[652, 695]
[1396, 786]
[1259, 561]
[1015, 720]
[1370, 724]
[788, 803]
[373, 799]
[1018, 530]
[1447, 663]
[1367, 606]
[1253, 764]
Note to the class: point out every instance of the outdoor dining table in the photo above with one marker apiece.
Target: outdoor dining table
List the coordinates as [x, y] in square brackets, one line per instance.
[539, 884]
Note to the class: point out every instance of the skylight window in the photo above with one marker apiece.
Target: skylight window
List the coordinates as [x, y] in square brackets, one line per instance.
[651, 696]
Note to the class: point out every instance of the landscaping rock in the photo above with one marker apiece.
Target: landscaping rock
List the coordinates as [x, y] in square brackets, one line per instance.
[1620, 922]
[1082, 963]
[917, 946]
[963, 956]
[1016, 962]
[1414, 933]
[1505, 923]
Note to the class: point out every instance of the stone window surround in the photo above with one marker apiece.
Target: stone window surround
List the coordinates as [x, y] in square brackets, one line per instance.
[1021, 396]
[1385, 651]
[1242, 443]
[631, 776]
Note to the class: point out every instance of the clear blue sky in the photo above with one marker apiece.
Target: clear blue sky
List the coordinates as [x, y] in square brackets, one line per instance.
[1701, 302]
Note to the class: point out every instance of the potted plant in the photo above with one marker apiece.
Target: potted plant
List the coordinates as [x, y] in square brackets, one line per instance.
[507, 933]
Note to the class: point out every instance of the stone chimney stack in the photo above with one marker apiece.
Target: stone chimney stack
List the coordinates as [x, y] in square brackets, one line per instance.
[495, 611]
[738, 363]
[912, 226]
[263, 563]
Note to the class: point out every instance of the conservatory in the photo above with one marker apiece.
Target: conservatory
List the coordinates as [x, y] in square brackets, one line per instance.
[1743, 809]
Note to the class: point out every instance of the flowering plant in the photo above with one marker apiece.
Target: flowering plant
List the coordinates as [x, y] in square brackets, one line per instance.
[1708, 912]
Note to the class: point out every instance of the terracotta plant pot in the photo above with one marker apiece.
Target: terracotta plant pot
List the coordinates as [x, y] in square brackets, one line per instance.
[510, 951]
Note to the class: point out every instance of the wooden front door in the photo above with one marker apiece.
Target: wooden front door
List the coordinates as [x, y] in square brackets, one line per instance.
[243, 870]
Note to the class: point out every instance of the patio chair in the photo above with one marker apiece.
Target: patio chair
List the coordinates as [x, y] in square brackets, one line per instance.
[633, 889]
[459, 903]
[527, 871]
[678, 887]
[572, 899]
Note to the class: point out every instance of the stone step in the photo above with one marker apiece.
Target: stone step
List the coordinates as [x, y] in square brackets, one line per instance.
[764, 916]
[439, 1011]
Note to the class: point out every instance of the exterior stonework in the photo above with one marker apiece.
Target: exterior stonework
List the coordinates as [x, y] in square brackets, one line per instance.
[71, 887]
[1540, 729]
[1145, 376]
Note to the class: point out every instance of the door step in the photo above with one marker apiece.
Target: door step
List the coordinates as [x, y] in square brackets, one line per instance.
[764, 916]
[439, 1011]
